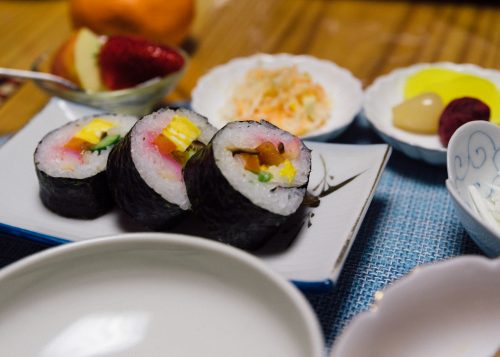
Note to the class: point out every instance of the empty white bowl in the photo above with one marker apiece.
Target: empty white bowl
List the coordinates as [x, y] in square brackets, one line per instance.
[450, 308]
[387, 91]
[214, 90]
[152, 294]
[474, 159]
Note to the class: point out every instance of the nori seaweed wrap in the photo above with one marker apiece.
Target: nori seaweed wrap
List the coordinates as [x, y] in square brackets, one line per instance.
[75, 198]
[145, 168]
[247, 181]
[70, 164]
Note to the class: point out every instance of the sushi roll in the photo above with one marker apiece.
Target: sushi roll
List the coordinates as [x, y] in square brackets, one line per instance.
[145, 168]
[247, 181]
[70, 164]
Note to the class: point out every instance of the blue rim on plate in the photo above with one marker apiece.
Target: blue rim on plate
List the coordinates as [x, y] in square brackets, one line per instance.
[311, 264]
[321, 286]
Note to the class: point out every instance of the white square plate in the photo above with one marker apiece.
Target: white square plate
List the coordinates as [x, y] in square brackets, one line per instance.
[317, 240]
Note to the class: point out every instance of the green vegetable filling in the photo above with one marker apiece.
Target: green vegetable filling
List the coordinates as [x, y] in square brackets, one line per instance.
[265, 176]
[106, 142]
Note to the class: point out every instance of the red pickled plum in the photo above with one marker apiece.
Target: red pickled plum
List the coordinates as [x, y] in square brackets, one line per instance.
[459, 112]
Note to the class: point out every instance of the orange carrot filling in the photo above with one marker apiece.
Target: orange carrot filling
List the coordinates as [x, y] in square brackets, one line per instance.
[164, 145]
[77, 144]
[269, 154]
[252, 162]
[264, 161]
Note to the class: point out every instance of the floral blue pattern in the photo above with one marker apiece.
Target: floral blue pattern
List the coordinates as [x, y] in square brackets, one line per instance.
[482, 154]
[474, 159]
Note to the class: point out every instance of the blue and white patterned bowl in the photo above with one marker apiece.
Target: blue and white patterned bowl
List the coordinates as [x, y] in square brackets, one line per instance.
[474, 159]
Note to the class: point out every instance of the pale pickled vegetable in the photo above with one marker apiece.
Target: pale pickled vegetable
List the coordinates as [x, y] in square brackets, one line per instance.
[419, 114]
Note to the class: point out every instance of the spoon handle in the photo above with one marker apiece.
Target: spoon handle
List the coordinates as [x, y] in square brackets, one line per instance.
[19, 73]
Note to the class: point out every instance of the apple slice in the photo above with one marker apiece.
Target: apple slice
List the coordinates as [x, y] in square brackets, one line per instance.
[87, 47]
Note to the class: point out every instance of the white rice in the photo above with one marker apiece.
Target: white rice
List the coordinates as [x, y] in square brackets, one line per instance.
[268, 195]
[52, 158]
[162, 175]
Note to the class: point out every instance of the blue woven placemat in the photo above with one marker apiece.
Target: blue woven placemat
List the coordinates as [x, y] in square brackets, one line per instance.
[410, 221]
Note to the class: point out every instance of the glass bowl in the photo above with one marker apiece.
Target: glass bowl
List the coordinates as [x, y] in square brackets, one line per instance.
[138, 100]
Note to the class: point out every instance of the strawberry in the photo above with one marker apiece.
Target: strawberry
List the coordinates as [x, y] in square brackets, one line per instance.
[126, 61]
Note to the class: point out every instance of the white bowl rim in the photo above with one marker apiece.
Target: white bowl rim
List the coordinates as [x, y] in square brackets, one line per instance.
[355, 82]
[373, 87]
[413, 278]
[296, 298]
[440, 266]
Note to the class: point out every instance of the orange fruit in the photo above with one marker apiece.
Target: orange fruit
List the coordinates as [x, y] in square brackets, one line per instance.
[163, 21]
[64, 58]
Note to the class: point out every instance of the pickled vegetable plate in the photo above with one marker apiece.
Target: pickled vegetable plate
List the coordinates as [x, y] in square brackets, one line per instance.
[387, 91]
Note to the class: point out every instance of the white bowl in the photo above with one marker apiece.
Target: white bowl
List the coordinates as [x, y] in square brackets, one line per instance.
[387, 91]
[152, 294]
[214, 90]
[474, 159]
[450, 308]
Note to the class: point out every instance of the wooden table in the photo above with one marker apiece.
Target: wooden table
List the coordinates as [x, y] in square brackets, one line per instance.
[369, 38]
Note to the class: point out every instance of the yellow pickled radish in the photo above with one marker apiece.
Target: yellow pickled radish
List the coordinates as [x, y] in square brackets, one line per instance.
[419, 114]
[423, 81]
[450, 85]
[288, 171]
[495, 120]
[93, 131]
[182, 132]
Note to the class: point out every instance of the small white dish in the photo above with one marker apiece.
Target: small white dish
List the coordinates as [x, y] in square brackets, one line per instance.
[152, 294]
[474, 160]
[214, 90]
[310, 251]
[387, 91]
[450, 308]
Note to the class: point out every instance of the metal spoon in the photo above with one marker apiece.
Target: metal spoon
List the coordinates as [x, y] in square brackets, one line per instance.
[19, 73]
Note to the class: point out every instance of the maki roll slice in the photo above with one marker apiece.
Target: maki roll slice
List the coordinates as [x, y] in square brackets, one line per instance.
[145, 168]
[70, 164]
[247, 181]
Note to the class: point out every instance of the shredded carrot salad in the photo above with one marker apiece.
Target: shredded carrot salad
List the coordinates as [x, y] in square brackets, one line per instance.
[284, 97]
